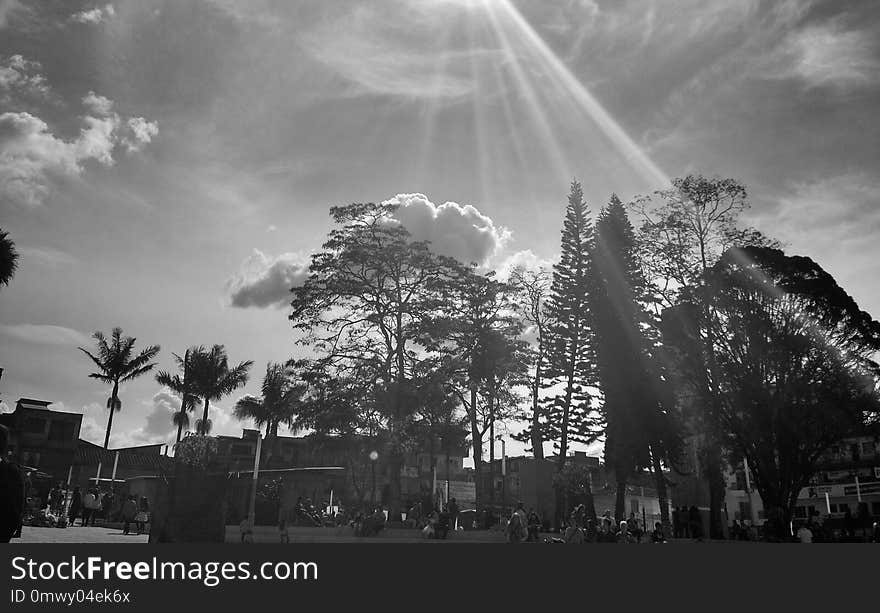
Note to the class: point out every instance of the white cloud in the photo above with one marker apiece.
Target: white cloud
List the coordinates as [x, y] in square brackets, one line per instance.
[265, 281]
[459, 231]
[95, 15]
[827, 55]
[525, 259]
[31, 155]
[44, 334]
[21, 77]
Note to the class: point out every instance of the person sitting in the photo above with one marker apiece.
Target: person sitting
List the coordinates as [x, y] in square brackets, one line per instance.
[657, 535]
[624, 536]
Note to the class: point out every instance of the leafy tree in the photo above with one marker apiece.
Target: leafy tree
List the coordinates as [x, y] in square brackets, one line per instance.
[570, 358]
[8, 258]
[534, 287]
[795, 364]
[684, 230]
[117, 364]
[213, 379]
[182, 385]
[632, 410]
[474, 328]
[367, 293]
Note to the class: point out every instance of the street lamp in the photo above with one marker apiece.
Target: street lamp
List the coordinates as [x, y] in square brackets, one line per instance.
[374, 455]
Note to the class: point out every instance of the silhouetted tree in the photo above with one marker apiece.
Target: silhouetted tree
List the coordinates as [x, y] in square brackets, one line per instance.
[117, 364]
[214, 379]
[184, 386]
[794, 360]
[8, 258]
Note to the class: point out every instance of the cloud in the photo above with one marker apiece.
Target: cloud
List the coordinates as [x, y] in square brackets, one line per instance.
[459, 231]
[399, 51]
[44, 334]
[21, 78]
[7, 7]
[827, 55]
[95, 15]
[525, 259]
[31, 155]
[264, 281]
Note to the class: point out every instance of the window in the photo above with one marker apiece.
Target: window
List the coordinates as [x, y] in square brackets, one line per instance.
[35, 425]
[60, 430]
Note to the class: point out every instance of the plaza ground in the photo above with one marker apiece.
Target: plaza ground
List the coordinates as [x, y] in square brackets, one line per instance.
[78, 534]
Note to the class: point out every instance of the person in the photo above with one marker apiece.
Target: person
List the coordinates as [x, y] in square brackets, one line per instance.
[591, 532]
[143, 515]
[90, 504]
[624, 536]
[805, 534]
[56, 498]
[849, 523]
[452, 507]
[735, 530]
[516, 526]
[246, 529]
[875, 533]
[684, 522]
[695, 523]
[634, 528]
[12, 496]
[107, 501]
[676, 522]
[129, 510]
[443, 521]
[76, 505]
[282, 531]
[657, 535]
[534, 524]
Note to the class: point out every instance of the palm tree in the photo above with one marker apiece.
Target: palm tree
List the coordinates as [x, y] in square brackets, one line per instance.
[213, 379]
[182, 386]
[277, 403]
[117, 364]
[8, 258]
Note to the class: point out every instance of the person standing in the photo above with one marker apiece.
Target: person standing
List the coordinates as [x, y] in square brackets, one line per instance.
[76, 506]
[12, 495]
[452, 507]
[129, 510]
[143, 515]
[89, 506]
[696, 523]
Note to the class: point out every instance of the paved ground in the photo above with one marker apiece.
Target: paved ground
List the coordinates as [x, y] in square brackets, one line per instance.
[77, 534]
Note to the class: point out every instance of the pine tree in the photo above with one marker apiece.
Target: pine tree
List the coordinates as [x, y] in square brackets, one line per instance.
[624, 376]
[570, 365]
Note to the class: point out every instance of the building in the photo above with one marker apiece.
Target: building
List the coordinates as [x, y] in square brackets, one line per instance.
[46, 443]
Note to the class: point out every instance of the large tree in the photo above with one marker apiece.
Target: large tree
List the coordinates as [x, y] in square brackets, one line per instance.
[214, 379]
[795, 364]
[571, 362]
[8, 258]
[184, 386]
[632, 407]
[117, 363]
[534, 288]
[684, 230]
[360, 309]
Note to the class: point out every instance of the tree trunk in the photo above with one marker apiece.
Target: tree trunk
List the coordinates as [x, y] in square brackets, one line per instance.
[620, 501]
[205, 419]
[715, 475]
[113, 400]
[537, 439]
[662, 495]
[477, 450]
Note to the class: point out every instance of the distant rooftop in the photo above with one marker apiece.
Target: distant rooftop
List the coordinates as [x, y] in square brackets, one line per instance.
[31, 403]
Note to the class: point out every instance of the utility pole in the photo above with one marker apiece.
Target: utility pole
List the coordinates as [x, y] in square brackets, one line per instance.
[253, 502]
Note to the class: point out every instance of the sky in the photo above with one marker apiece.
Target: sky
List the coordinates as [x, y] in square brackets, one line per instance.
[167, 166]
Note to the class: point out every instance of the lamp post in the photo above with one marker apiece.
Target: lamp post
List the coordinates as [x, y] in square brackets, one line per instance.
[374, 455]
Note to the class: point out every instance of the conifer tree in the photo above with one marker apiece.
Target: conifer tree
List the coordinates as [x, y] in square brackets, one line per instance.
[570, 367]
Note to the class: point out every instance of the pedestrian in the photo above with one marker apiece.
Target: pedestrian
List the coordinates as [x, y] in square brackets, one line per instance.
[90, 504]
[107, 501]
[76, 505]
[696, 523]
[143, 515]
[534, 525]
[129, 511]
[247, 530]
[676, 523]
[685, 522]
[452, 507]
[624, 536]
[875, 533]
[516, 526]
[12, 495]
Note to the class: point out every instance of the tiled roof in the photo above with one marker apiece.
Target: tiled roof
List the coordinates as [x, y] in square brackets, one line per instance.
[147, 457]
